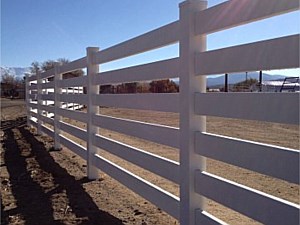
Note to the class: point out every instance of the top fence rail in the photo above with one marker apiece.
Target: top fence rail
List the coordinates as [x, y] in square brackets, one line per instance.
[160, 37]
[236, 12]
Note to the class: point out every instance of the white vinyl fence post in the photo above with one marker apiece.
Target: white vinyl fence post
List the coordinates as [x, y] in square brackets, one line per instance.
[28, 109]
[39, 102]
[92, 70]
[189, 122]
[57, 106]
[45, 91]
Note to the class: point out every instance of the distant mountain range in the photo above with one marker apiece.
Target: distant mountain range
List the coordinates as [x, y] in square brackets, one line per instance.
[239, 77]
[19, 72]
[215, 81]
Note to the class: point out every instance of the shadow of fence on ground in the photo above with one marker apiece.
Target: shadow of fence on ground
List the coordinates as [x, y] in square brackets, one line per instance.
[33, 203]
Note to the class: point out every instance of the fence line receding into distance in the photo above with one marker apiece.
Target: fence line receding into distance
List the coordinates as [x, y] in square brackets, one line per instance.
[49, 101]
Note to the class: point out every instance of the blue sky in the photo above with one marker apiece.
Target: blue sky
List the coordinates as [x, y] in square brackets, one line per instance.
[38, 30]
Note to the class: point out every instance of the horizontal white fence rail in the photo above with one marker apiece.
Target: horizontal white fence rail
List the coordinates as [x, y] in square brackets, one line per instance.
[47, 108]
[243, 153]
[75, 98]
[163, 36]
[154, 194]
[75, 131]
[154, 163]
[74, 65]
[52, 102]
[76, 148]
[47, 85]
[151, 71]
[48, 120]
[73, 82]
[203, 217]
[47, 131]
[214, 19]
[156, 102]
[47, 74]
[75, 115]
[270, 107]
[246, 200]
[265, 55]
[152, 132]
[48, 96]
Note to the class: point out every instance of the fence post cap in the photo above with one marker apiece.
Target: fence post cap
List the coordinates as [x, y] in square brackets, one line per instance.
[92, 48]
[184, 3]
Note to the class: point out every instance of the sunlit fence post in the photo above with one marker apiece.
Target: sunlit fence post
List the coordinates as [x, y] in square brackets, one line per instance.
[28, 110]
[57, 105]
[92, 70]
[190, 44]
[39, 103]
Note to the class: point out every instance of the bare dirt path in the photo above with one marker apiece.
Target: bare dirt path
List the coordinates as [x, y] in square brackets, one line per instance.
[44, 191]
[40, 186]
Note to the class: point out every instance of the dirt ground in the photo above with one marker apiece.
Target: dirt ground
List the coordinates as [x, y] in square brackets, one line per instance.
[43, 186]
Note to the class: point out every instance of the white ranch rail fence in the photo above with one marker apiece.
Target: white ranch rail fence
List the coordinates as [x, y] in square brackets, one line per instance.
[45, 102]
